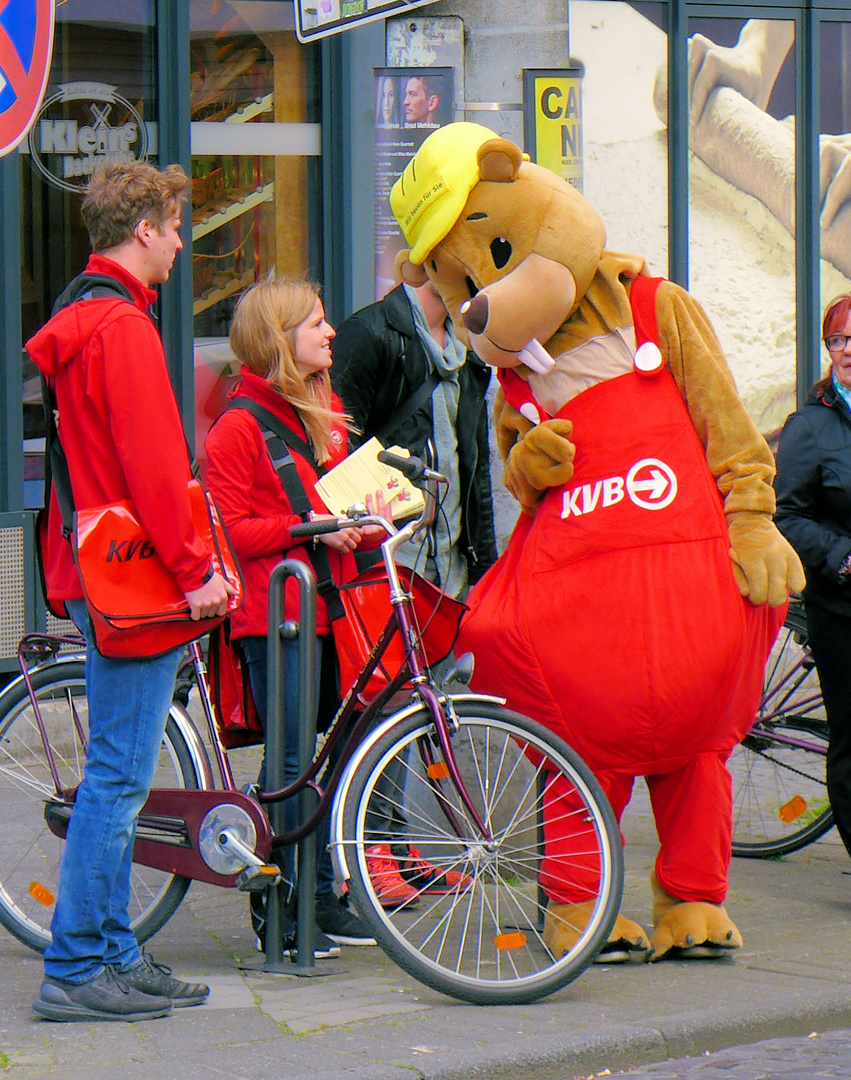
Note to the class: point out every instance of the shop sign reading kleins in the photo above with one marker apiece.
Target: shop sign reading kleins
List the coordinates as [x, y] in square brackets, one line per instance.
[82, 126]
[26, 50]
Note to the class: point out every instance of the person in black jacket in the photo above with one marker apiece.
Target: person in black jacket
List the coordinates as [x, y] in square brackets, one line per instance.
[813, 487]
[405, 379]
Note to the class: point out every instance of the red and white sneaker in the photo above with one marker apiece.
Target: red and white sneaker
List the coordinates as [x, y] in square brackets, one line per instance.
[427, 878]
[383, 867]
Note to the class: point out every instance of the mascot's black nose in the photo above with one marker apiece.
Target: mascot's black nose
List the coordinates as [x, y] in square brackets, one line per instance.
[475, 313]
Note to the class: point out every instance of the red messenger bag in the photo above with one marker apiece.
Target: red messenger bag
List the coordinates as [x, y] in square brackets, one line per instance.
[136, 607]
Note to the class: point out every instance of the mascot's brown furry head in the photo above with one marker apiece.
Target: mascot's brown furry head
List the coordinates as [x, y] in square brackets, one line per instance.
[497, 235]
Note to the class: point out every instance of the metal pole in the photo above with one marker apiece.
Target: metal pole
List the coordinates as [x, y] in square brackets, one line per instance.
[11, 447]
[274, 750]
[304, 632]
[307, 705]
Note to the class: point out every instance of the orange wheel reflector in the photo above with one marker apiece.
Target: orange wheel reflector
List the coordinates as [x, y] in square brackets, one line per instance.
[41, 893]
[793, 809]
[438, 771]
[510, 941]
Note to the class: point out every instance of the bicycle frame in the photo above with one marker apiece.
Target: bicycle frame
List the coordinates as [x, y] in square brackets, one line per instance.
[775, 705]
[413, 672]
[779, 769]
[171, 820]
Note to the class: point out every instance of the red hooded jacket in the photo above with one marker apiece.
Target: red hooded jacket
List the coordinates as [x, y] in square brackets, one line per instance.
[119, 427]
[257, 512]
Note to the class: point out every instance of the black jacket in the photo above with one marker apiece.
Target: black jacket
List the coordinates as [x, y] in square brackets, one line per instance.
[813, 487]
[379, 362]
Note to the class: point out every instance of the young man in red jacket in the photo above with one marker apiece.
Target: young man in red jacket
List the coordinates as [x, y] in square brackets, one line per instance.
[120, 430]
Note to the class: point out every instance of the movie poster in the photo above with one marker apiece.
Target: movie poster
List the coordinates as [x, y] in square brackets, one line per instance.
[410, 103]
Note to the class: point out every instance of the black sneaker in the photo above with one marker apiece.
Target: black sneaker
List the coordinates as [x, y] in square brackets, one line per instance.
[157, 979]
[105, 997]
[323, 947]
[334, 919]
[257, 911]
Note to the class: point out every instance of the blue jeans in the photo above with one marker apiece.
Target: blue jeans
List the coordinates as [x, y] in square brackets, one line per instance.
[254, 651]
[128, 708]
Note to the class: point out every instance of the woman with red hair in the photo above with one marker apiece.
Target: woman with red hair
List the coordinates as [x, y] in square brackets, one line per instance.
[813, 487]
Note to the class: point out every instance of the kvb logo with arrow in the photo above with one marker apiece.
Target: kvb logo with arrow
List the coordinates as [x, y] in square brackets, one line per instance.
[650, 484]
[26, 48]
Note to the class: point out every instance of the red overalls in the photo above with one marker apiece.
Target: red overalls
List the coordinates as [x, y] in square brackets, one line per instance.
[613, 618]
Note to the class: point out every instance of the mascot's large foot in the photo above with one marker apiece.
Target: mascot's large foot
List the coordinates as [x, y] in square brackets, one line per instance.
[695, 930]
[564, 924]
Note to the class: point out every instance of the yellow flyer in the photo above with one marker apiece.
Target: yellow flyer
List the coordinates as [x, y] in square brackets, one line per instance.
[362, 474]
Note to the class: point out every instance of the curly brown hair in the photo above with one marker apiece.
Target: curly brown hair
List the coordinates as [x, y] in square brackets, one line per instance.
[122, 194]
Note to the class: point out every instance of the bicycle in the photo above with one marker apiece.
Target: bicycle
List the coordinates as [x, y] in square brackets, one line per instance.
[780, 801]
[476, 780]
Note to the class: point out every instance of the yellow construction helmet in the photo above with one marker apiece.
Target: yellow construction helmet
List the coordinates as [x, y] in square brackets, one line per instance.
[429, 196]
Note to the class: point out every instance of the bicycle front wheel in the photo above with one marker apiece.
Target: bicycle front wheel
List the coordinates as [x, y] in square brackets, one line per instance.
[475, 930]
[780, 801]
[29, 871]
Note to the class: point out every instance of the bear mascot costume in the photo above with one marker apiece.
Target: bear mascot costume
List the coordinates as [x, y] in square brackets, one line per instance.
[644, 583]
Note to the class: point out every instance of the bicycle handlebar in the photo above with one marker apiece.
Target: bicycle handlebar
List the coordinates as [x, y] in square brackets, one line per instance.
[412, 467]
[317, 528]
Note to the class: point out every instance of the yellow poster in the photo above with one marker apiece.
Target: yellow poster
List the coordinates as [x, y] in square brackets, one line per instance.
[553, 107]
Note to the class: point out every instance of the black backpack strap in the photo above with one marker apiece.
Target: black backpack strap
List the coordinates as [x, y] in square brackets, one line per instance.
[268, 420]
[92, 287]
[55, 464]
[280, 441]
[408, 407]
[83, 287]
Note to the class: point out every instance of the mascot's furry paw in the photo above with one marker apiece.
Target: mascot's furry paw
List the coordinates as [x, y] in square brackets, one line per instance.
[765, 565]
[695, 930]
[564, 924]
[544, 456]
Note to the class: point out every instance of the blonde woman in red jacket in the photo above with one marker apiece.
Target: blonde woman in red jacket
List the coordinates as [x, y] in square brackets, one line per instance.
[283, 341]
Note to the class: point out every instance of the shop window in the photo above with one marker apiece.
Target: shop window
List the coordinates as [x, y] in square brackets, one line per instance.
[742, 203]
[255, 149]
[252, 141]
[99, 105]
[835, 162]
[625, 160]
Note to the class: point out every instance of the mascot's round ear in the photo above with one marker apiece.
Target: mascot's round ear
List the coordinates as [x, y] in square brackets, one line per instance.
[499, 160]
[411, 273]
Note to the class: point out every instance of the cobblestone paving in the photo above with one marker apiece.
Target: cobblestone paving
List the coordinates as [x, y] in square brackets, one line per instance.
[815, 1057]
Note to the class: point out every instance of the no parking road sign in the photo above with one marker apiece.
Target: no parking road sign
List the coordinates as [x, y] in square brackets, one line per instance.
[26, 47]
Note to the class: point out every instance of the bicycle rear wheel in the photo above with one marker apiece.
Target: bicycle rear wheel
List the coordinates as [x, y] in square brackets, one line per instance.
[481, 941]
[780, 801]
[29, 871]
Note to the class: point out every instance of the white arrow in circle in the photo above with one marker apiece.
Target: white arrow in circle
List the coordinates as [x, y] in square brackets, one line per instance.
[655, 486]
[651, 493]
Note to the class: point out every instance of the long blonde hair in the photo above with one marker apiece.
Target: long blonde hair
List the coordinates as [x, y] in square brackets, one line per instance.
[263, 339]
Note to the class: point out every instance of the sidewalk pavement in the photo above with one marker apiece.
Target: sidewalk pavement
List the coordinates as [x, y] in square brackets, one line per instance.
[367, 1020]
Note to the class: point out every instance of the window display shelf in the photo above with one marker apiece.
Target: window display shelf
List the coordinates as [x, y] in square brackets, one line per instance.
[213, 296]
[249, 111]
[234, 210]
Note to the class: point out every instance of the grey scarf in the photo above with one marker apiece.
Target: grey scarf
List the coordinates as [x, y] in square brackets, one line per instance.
[447, 565]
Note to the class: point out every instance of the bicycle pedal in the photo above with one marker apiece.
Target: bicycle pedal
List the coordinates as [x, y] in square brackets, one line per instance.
[258, 878]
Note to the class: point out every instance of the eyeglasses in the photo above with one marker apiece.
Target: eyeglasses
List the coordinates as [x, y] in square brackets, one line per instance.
[837, 342]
